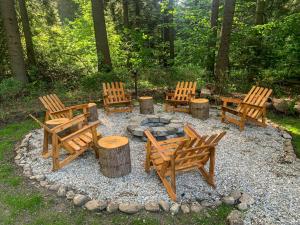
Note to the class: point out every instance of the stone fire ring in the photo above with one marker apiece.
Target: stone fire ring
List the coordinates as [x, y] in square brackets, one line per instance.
[161, 126]
[256, 170]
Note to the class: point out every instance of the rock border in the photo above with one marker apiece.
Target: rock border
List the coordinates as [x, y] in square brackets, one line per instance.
[239, 199]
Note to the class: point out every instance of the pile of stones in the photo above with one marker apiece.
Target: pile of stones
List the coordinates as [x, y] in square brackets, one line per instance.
[162, 127]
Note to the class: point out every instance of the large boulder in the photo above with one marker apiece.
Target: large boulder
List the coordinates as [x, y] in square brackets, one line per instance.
[297, 107]
[282, 104]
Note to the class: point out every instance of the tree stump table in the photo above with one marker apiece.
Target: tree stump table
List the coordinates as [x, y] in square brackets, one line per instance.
[146, 105]
[93, 112]
[199, 108]
[114, 156]
[48, 137]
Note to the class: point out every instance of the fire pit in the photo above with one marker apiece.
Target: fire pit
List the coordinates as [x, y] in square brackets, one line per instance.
[162, 127]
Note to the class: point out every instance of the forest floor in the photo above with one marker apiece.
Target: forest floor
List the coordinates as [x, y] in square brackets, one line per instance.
[24, 203]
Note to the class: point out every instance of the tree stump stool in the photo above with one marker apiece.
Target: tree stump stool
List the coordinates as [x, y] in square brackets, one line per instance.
[93, 112]
[53, 123]
[199, 108]
[114, 156]
[146, 105]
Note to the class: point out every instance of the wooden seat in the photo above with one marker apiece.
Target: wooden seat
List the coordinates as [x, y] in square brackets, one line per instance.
[184, 92]
[75, 143]
[115, 99]
[181, 154]
[251, 108]
[56, 109]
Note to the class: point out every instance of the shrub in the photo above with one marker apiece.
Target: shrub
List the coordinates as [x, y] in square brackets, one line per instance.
[10, 88]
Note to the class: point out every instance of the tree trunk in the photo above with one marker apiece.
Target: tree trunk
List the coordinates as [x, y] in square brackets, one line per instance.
[213, 38]
[125, 14]
[27, 33]
[103, 54]
[222, 63]
[14, 46]
[260, 11]
[168, 33]
[137, 13]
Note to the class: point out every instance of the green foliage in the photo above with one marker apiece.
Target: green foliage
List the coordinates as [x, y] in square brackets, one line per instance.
[10, 88]
[22, 202]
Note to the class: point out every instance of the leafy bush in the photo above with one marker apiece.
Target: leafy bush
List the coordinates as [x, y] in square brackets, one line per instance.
[10, 88]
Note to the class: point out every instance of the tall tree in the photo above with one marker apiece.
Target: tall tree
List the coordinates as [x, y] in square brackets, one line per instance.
[125, 13]
[222, 62]
[103, 54]
[213, 39]
[260, 12]
[169, 32]
[27, 32]
[14, 46]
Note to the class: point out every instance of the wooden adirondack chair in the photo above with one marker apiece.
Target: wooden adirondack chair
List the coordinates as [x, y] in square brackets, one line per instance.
[56, 109]
[75, 143]
[184, 92]
[252, 108]
[115, 99]
[181, 154]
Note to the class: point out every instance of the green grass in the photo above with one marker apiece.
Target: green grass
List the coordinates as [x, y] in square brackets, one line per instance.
[292, 124]
[23, 203]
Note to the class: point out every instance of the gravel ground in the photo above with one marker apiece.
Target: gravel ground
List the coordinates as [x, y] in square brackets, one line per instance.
[248, 161]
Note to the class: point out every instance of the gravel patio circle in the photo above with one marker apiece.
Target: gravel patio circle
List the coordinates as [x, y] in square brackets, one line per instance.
[248, 161]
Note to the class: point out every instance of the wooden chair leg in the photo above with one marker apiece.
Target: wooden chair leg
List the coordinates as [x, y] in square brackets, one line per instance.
[96, 152]
[173, 174]
[147, 161]
[223, 116]
[45, 143]
[212, 168]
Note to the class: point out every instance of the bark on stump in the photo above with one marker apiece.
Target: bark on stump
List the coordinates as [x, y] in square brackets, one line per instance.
[146, 105]
[93, 112]
[200, 108]
[114, 156]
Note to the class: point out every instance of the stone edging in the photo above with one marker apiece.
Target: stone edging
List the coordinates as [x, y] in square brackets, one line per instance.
[242, 201]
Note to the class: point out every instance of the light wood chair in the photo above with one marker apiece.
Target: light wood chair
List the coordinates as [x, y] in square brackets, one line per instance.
[115, 99]
[184, 92]
[75, 143]
[56, 109]
[181, 154]
[251, 108]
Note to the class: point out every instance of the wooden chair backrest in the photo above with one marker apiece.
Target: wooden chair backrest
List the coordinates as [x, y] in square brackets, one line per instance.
[53, 104]
[114, 92]
[196, 152]
[257, 96]
[184, 90]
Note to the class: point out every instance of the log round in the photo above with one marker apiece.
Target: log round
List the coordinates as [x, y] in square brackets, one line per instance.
[56, 122]
[93, 112]
[146, 105]
[200, 108]
[114, 156]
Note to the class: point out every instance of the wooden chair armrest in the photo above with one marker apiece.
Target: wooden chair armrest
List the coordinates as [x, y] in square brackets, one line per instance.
[231, 100]
[81, 106]
[74, 121]
[82, 130]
